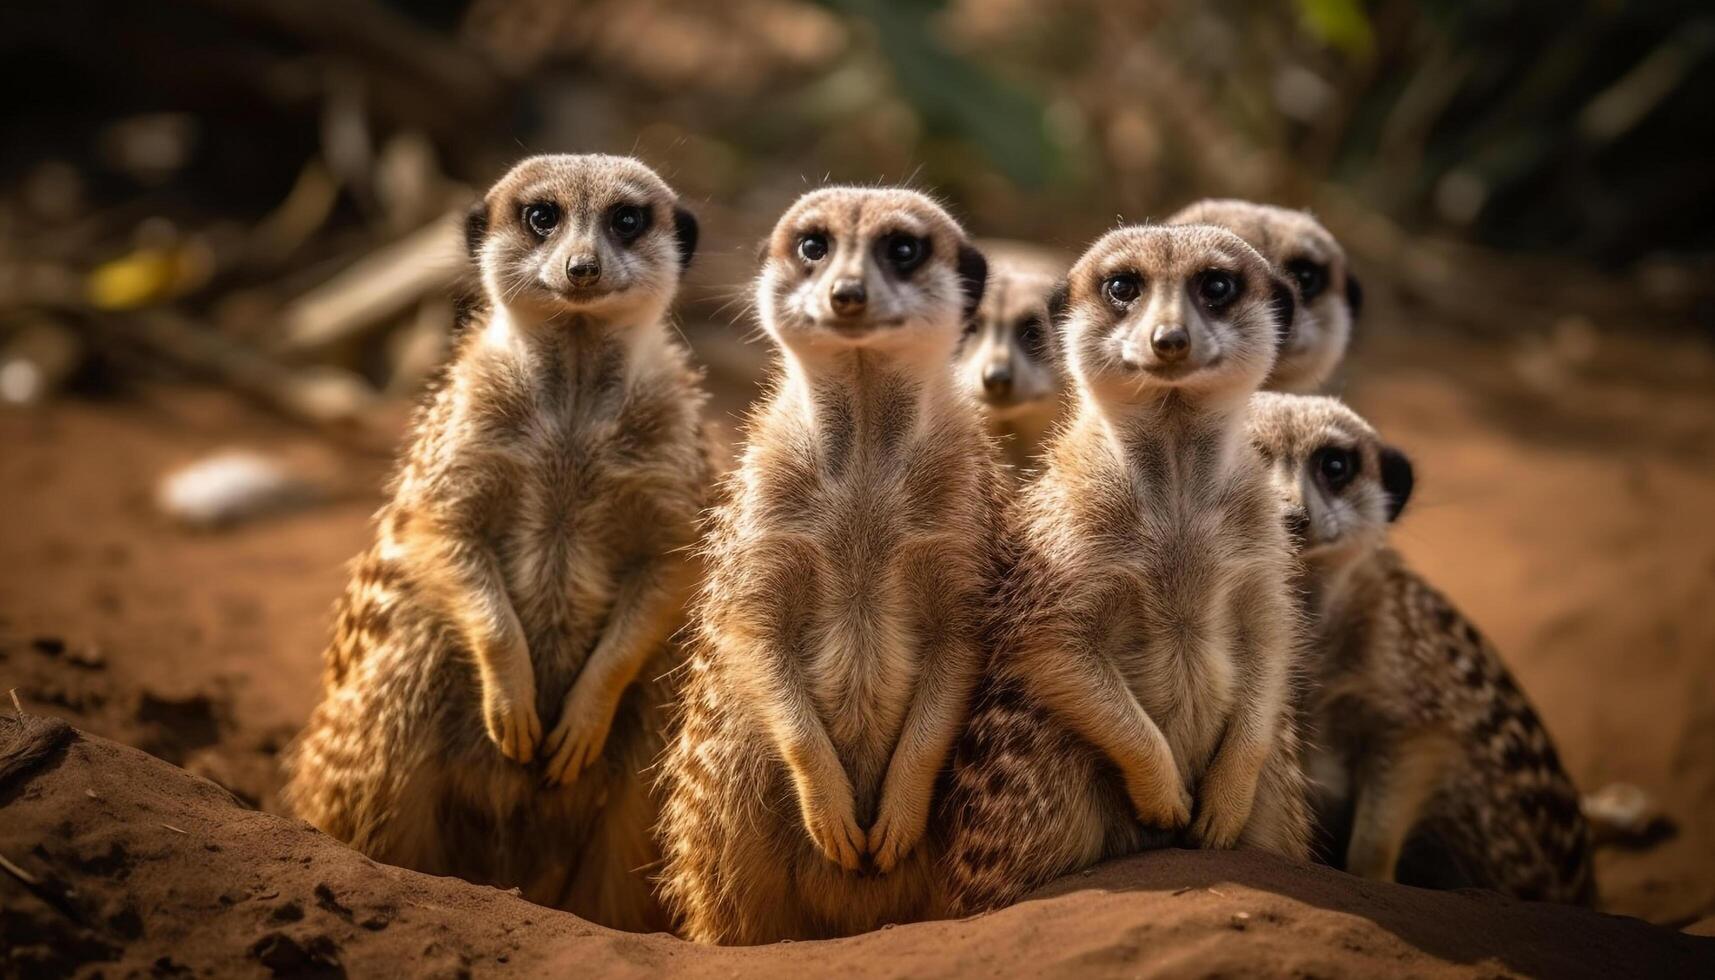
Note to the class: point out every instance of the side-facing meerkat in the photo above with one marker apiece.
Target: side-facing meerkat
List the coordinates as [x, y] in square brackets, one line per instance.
[1429, 764]
[1008, 358]
[1303, 251]
[490, 698]
[1142, 678]
[837, 637]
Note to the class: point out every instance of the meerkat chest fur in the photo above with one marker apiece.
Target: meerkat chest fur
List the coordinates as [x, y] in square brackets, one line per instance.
[1180, 514]
[873, 473]
[570, 435]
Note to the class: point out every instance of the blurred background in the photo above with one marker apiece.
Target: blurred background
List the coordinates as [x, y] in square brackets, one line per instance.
[226, 255]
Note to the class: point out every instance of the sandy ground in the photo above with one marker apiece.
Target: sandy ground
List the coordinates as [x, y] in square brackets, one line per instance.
[1563, 503]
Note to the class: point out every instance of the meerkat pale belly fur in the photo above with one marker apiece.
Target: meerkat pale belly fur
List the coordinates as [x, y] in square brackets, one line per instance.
[491, 696]
[837, 638]
[1007, 357]
[1431, 766]
[1311, 259]
[1141, 687]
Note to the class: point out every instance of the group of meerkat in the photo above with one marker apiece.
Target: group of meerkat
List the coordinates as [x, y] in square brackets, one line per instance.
[875, 674]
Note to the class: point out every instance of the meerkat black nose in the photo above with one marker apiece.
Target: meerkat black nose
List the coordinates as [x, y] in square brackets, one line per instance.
[997, 378]
[848, 297]
[583, 270]
[1171, 341]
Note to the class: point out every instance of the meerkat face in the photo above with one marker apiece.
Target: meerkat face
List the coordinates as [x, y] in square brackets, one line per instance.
[581, 234]
[1301, 250]
[1155, 308]
[858, 267]
[1339, 485]
[1007, 357]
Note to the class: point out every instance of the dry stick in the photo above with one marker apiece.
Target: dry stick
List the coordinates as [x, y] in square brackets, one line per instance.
[17, 705]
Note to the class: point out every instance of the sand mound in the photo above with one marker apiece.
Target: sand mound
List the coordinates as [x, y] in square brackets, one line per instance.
[119, 862]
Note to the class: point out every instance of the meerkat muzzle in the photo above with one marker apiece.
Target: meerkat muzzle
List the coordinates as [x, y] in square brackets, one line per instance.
[997, 380]
[848, 297]
[583, 270]
[1171, 342]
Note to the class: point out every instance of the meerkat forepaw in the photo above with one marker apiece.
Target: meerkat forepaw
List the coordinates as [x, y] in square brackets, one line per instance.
[509, 714]
[576, 742]
[1166, 806]
[835, 831]
[896, 832]
[1221, 817]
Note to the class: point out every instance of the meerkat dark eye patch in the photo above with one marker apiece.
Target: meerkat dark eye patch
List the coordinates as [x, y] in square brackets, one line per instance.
[1122, 288]
[1310, 275]
[813, 246]
[1033, 336]
[475, 227]
[628, 222]
[1336, 467]
[903, 252]
[1397, 480]
[973, 276]
[1218, 288]
[1284, 307]
[685, 234]
[542, 218]
[1354, 295]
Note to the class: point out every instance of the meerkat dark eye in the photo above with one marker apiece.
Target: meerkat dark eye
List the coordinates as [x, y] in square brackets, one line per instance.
[1311, 277]
[813, 247]
[904, 252]
[1218, 288]
[541, 218]
[1335, 467]
[628, 221]
[1031, 337]
[1122, 289]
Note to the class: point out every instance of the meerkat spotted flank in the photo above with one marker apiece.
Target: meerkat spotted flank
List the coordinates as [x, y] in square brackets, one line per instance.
[490, 698]
[1140, 690]
[1329, 296]
[837, 637]
[1430, 765]
[1007, 356]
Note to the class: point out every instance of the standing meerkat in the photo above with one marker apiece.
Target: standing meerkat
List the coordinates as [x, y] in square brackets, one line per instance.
[530, 568]
[1430, 765]
[1008, 358]
[1148, 642]
[1329, 296]
[836, 639]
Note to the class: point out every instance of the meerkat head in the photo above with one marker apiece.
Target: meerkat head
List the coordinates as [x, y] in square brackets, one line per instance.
[1340, 485]
[1300, 249]
[1156, 309]
[881, 268]
[587, 234]
[1007, 356]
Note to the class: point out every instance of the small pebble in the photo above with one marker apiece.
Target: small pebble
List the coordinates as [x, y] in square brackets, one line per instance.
[1240, 920]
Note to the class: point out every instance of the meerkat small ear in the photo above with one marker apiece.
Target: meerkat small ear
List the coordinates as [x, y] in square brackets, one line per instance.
[973, 276]
[475, 226]
[1396, 480]
[1354, 295]
[1284, 302]
[685, 230]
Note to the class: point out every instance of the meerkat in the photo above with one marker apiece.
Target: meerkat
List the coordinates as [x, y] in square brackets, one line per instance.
[1430, 766]
[1007, 356]
[838, 634]
[1140, 692]
[1329, 294]
[491, 695]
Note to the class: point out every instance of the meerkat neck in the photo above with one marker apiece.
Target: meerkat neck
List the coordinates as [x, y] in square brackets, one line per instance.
[865, 387]
[1339, 590]
[1194, 428]
[641, 339]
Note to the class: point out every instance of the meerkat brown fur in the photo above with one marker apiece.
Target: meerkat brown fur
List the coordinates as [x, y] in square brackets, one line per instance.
[1300, 249]
[1142, 681]
[490, 696]
[837, 637]
[1430, 765]
[1007, 357]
